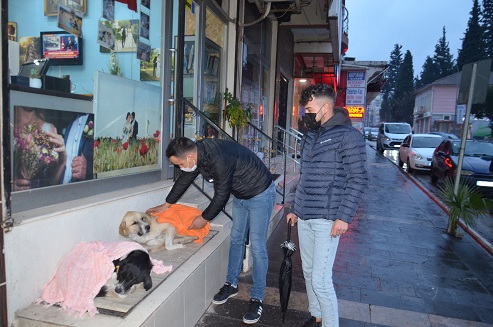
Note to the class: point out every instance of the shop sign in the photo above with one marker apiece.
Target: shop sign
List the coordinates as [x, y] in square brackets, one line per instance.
[356, 112]
[355, 96]
[356, 79]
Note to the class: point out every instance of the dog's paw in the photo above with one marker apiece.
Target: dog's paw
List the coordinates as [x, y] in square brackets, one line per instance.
[175, 246]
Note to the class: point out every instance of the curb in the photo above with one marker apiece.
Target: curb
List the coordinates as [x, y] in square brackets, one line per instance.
[478, 238]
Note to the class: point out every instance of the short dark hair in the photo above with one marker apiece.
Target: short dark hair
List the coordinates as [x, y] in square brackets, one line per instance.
[133, 114]
[317, 91]
[180, 147]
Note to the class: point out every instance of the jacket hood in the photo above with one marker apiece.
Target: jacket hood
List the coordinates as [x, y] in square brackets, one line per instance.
[341, 117]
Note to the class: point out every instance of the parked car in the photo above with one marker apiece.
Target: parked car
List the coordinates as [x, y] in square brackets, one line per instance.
[417, 149]
[446, 136]
[372, 135]
[477, 168]
[366, 131]
[391, 135]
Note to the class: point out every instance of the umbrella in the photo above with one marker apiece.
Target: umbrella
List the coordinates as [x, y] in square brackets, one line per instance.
[285, 272]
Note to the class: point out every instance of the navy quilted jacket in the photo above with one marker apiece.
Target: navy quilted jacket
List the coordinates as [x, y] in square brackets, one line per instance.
[333, 175]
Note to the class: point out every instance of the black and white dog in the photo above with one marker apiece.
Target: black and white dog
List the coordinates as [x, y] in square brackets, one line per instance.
[130, 271]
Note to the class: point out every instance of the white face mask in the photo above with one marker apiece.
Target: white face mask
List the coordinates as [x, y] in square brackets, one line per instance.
[189, 170]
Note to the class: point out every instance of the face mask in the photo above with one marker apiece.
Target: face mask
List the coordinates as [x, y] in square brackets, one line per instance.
[309, 119]
[189, 170]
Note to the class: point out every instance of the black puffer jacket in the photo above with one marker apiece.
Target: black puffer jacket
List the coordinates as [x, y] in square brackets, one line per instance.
[333, 175]
[232, 168]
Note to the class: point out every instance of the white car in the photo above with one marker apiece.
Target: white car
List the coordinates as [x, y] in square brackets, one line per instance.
[417, 150]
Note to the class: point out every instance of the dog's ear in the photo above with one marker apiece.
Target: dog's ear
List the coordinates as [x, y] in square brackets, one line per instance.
[147, 282]
[123, 229]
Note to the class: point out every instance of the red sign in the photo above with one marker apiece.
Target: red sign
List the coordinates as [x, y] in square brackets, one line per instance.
[356, 112]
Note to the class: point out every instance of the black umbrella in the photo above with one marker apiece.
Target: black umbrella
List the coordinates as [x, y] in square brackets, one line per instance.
[285, 272]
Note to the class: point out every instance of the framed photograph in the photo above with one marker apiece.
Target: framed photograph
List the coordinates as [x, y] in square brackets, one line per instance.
[106, 36]
[77, 5]
[109, 9]
[51, 7]
[146, 3]
[144, 25]
[144, 52]
[70, 20]
[12, 31]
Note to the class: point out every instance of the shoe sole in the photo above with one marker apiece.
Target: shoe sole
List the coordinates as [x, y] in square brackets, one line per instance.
[250, 322]
[226, 299]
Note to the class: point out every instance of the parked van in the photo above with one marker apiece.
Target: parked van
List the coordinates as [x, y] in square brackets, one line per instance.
[391, 135]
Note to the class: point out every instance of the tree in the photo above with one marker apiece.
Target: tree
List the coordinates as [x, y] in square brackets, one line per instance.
[403, 106]
[487, 25]
[428, 74]
[444, 61]
[390, 81]
[473, 47]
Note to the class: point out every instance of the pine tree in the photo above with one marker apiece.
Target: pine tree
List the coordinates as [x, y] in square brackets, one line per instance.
[443, 60]
[473, 47]
[390, 81]
[487, 25]
[428, 74]
[403, 98]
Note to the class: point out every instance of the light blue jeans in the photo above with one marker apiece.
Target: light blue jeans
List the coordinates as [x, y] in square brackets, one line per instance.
[254, 215]
[318, 251]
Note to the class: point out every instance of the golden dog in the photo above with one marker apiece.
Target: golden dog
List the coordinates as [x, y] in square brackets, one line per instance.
[153, 235]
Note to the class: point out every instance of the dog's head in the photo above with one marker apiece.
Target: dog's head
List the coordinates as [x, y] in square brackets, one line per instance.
[135, 224]
[131, 270]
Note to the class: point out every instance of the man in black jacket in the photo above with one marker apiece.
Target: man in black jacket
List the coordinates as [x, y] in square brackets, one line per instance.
[234, 170]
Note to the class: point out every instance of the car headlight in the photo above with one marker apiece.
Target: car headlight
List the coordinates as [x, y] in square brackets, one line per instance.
[417, 156]
[387, 138]
[466, 172]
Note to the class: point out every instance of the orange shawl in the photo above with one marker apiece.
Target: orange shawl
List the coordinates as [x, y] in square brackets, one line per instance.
[181, 216]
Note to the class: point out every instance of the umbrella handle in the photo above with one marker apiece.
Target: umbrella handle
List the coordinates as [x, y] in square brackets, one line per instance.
[289, 230]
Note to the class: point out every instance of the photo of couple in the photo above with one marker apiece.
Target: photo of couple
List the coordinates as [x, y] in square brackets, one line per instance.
[131, 128]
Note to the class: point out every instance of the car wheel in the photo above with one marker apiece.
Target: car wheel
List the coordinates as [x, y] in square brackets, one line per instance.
[409, 169]
[401, 163]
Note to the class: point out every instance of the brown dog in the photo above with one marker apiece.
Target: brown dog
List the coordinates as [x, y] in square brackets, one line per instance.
[153, 235]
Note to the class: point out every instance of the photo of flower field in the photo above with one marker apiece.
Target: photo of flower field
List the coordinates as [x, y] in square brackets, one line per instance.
[113, 154]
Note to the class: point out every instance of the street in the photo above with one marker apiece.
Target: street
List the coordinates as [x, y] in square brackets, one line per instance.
[484, 226]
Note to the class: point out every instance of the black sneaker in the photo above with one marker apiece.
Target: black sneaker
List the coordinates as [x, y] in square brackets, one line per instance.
[254, 312]
[225, 293]
[312, 322]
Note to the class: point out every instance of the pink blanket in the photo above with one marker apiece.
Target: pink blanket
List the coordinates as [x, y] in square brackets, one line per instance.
[83, 271]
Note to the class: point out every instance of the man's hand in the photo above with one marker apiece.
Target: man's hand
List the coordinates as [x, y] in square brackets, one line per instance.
[157, 209]
[291, 218]
[79, 168]
[338, 228]
[198, 222]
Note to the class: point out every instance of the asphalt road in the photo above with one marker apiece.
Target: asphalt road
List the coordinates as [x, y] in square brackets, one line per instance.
[484, 225]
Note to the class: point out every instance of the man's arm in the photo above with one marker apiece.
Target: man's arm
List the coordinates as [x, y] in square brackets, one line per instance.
[222, 171]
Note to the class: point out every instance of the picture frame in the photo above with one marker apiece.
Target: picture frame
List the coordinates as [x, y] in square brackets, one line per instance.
[51, 6]
[12, 31]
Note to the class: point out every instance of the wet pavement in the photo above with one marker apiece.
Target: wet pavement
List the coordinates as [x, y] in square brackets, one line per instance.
[395, 266]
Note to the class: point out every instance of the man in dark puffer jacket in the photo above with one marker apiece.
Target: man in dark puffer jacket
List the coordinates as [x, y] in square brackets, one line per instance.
[333, 179]
[235, 170]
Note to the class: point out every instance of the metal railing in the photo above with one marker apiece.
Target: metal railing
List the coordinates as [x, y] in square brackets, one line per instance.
[292, 144]
[273, 153]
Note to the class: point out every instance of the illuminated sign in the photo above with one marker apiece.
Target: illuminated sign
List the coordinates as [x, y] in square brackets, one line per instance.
[356, 112]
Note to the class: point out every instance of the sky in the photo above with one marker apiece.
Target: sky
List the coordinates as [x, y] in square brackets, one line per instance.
[375, 26]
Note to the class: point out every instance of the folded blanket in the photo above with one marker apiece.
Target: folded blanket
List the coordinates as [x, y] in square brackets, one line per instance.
[181, 216]
[83, 271]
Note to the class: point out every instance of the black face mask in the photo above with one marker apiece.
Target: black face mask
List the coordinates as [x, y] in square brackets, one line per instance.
[310, 122]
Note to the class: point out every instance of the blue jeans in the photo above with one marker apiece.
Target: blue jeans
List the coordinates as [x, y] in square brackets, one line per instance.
[254, 215]
[318, 251]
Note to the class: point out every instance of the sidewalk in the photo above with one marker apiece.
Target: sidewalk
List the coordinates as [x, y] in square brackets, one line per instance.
[394, 267]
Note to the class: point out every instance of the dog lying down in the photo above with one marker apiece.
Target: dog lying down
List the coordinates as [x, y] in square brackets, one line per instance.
[131, 271]
[158, 233]
[96, 269]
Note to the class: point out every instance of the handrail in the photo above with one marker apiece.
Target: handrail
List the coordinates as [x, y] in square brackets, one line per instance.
[203, 121]
[293, 145]
[269, 150]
